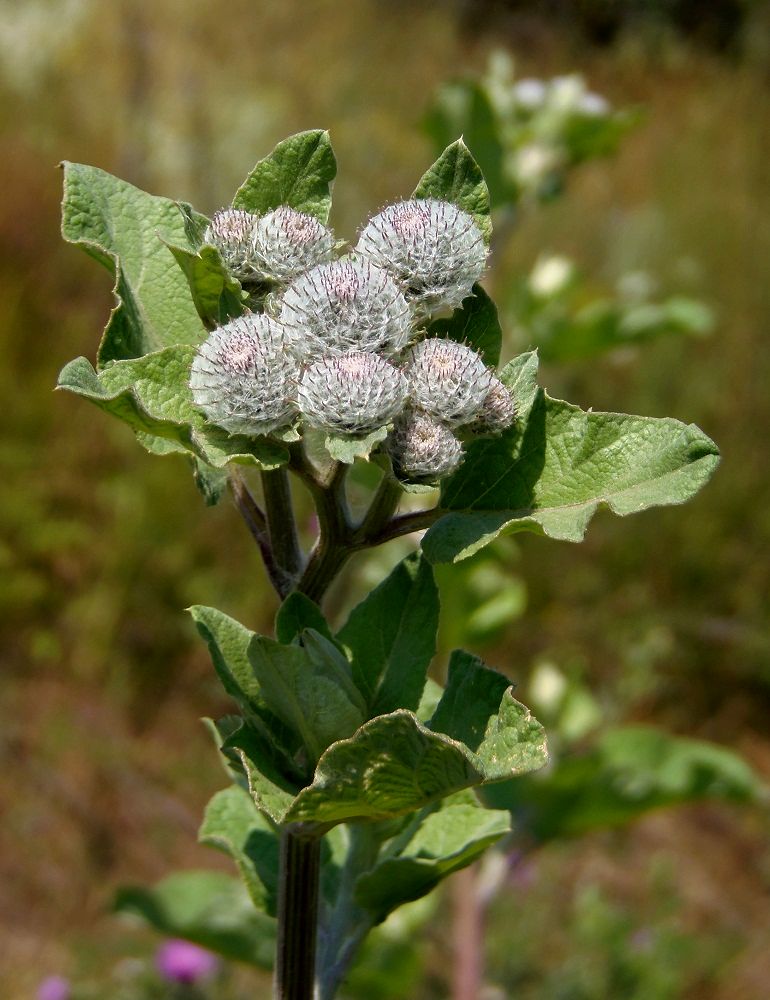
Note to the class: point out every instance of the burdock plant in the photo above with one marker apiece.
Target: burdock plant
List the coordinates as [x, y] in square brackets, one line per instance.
[243, 342]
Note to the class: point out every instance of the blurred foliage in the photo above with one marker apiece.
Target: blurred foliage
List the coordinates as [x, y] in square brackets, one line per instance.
[663, 618]
[526, 135]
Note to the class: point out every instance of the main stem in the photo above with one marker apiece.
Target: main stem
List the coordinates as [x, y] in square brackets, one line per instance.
[276, 534]
[298, 895]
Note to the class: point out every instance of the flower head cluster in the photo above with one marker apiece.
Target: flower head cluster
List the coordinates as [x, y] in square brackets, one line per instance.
[274, 248]
[352, 393]
[231, 231]
[433, 248]
[287, 243]
[243, 378]
[347, 305]
[344, 349]
[422, 449]
[449, 381]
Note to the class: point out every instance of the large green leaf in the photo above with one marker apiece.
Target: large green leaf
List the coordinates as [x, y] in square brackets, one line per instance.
[630, 771]
[152, 394]
[118, 224]
[299, 172]
[208, 908]
[390, 637]
[551, 471]
[233, 824]
[440, 841]
[393, 764]
[478, 710]
[311, 692]
[390, 766]
[456, 177]
[475, 324]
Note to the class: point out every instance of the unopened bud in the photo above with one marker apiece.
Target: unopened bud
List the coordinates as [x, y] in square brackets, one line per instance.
[232, 231]
[447, 380]
[345, 306]
[352, 393]
[288, 243]
[243, 378]
[433, 248]
[423, 450]
[498, 411]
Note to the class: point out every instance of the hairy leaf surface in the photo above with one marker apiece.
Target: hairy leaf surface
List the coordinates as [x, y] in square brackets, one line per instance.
[557, 465]
[119, 225]
[299, 173]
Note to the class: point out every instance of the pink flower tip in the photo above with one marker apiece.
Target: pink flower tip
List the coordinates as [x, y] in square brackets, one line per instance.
[182, 962]
[54, 988]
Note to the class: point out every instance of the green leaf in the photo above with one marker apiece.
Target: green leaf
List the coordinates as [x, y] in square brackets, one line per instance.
[296, 614]
[270, 788]
[520, 375]
[309, 693]
[217, 295]
[391, 637]
[299, 173]
[152, 395]
[208, 908]
[478, 709]
[118, 225]
[392, 765]
[514, 742]
[472, 695]
[440, 841]
[630, 771]
[474, 324]
[347, 448]
[456, 177]
[211, 482]
[228, 644]
[233, 824]
[557, 465]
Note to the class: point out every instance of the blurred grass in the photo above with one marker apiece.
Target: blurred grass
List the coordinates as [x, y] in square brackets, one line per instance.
[105, 767]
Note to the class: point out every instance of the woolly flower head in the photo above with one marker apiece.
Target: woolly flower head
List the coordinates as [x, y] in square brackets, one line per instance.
[498, 410]
[447, 380]
[287, 243]
[232, 231]
[345, 306]
[352, 393]
[423, 450]
[433, 248]
[243, 378]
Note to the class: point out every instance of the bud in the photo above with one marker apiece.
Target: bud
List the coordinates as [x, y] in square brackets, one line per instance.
[344, 306]
[288, 243]
[498, 411]
[447, 380]
[423, 450]
[352, 393]
[433, 248]
[232, 231]
[243, 378]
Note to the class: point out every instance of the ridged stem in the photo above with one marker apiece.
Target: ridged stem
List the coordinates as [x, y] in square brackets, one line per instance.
[299, 881]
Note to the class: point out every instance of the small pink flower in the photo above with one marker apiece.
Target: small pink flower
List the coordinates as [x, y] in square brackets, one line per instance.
[182, 962]
[54, 988]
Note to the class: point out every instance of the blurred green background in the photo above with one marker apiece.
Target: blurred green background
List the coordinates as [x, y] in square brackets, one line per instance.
[663, 618]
